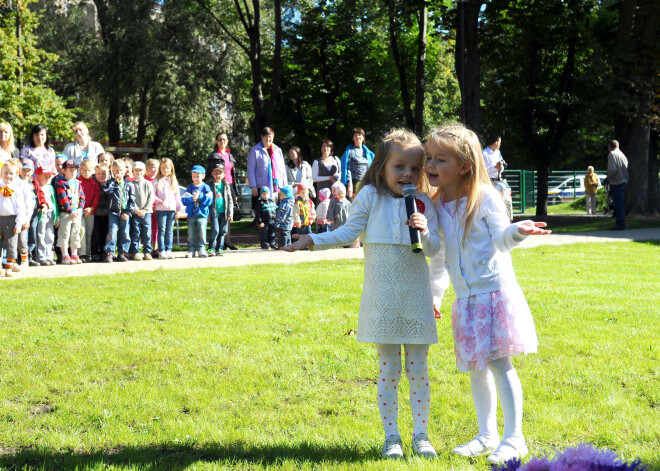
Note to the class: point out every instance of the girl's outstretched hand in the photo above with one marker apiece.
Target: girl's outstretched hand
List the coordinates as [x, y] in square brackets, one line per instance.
[532, 228]
[417, 221]
[303, 241]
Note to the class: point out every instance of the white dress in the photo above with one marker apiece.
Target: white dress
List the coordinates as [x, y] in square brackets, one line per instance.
[396, 305]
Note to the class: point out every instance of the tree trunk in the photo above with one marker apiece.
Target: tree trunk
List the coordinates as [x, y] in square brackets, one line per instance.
[114, 131]
[654, 171]
[277, 64]
[420, 83]
[143, 114]
[467, 61]
[400, 67]
[158, 139]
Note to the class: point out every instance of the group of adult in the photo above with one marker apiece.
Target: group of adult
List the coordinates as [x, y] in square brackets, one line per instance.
[266, 166]
[40, 151]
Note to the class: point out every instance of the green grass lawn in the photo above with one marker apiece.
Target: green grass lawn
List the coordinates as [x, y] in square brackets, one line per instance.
[256, 368]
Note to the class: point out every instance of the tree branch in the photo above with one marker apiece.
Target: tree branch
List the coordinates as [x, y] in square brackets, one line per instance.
[223, 27]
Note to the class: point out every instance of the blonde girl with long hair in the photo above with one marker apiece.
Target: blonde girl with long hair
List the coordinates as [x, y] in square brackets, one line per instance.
[168, 203]
[7, 148]
[491, 321]
[396, 306]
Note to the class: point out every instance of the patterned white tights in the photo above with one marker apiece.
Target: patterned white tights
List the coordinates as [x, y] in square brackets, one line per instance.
[389, 365]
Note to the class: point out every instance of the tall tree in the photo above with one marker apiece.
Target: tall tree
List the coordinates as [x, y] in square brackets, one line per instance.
[26, 74]
[251, 43]
[636, 66]
[468, 67]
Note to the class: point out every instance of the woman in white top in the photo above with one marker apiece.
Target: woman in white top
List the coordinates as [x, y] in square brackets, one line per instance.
[299, 171]
[7, 148]
[326, 169]
[83, 148]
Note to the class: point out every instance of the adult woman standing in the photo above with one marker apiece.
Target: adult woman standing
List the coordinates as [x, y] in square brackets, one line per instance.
[326, 169]
[222, 154]
[355, 161]
[83, 148]
[265, 166]
[39, 151]
[299, 171]
[7, 148]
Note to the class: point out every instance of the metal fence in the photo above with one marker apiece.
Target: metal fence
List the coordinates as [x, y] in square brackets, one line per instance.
[563, 186]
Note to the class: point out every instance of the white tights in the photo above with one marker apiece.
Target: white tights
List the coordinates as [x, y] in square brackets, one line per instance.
[500, 372]
[389, 365]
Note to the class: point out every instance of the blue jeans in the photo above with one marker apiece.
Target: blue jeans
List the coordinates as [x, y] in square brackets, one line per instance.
[283, 237]
[117, 226]
[165, 230]
[140, 232]
[619, 209]
[196, 234]
[32, 235]
[218, 232]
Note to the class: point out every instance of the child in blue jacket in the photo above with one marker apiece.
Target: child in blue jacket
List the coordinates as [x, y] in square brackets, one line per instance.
[197, 199]
[284, 217]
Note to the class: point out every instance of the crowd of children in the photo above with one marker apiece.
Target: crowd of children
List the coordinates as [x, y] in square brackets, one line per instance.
[117, 210]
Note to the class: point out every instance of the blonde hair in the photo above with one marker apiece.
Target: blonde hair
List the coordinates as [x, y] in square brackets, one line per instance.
[101, 167]
[394, 141]
[87, 164]
[118, 163]
[18, 163]
[172, 177]
[9, 164]
[7, 127]
[152, 162]
[462, 144]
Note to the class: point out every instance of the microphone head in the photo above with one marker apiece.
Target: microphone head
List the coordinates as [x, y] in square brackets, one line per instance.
[409, 190]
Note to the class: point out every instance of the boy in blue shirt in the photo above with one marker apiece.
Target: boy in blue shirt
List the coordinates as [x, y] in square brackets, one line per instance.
[197, 199]
[284, 217]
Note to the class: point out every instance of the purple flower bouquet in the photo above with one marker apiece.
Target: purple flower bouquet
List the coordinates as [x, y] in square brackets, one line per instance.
[584, 457]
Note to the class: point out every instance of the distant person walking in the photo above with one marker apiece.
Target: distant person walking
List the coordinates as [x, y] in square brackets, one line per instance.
[617, 177]
[591, 184]
[493, 157]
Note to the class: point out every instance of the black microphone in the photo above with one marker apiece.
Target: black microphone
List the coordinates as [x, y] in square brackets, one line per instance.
[409, 193]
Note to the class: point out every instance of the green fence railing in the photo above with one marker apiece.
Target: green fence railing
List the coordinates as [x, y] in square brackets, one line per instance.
[563, 186]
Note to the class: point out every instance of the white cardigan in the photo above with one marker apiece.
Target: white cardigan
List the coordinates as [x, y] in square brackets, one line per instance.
[483, 264]
[73, 152]
[380, 218]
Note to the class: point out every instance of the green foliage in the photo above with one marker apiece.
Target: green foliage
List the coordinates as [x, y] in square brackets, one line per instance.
[26, 72]
[176, 374]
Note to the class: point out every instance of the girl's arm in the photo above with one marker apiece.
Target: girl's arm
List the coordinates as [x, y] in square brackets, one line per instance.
[355, 224]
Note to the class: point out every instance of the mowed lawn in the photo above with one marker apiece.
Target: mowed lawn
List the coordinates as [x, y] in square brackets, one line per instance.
[258, 368]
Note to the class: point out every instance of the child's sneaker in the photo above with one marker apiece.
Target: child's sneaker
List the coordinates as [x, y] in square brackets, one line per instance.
[8, 272]
[66, 260]
[220, 253]
[189, 255]
[203, 254]
[137, 257]
[108, 258]
[76, 259]
[476, 447]
[170, 255]
[211, 253]
[34, 263]
[122, 258]
[392, 448]
[509, 448]
[162, 255]
[422, 446]
[147, 256]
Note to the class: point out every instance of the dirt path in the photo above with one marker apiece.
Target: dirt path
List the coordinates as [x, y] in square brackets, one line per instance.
[257, 256]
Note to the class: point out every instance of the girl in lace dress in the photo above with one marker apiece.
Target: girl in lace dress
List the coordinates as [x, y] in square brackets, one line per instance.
[490, 318]
[396, 306]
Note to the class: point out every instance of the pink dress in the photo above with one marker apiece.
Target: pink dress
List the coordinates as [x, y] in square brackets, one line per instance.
[489, 326]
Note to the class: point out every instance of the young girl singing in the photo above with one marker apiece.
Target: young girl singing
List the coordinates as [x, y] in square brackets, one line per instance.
[490, 318]
[396, 306]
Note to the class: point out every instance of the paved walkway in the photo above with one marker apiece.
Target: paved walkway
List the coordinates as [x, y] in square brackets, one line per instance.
[257, 256]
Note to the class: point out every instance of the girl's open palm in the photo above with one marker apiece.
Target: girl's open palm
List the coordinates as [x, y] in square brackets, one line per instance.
[532, 228]
[303, 241]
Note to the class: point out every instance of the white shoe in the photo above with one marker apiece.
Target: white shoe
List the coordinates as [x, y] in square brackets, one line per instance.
[162, 255]
[16, 268]
[509, 448]
[189, 255]
[422, 446]
[392, 448]
[170, 255]
[203, 254]
[476, 447]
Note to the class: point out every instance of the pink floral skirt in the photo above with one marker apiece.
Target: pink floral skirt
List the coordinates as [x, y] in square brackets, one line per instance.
[491, 325]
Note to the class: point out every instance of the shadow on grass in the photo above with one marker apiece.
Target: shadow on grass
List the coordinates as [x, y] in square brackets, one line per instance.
[180, 456]
[648, 242]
